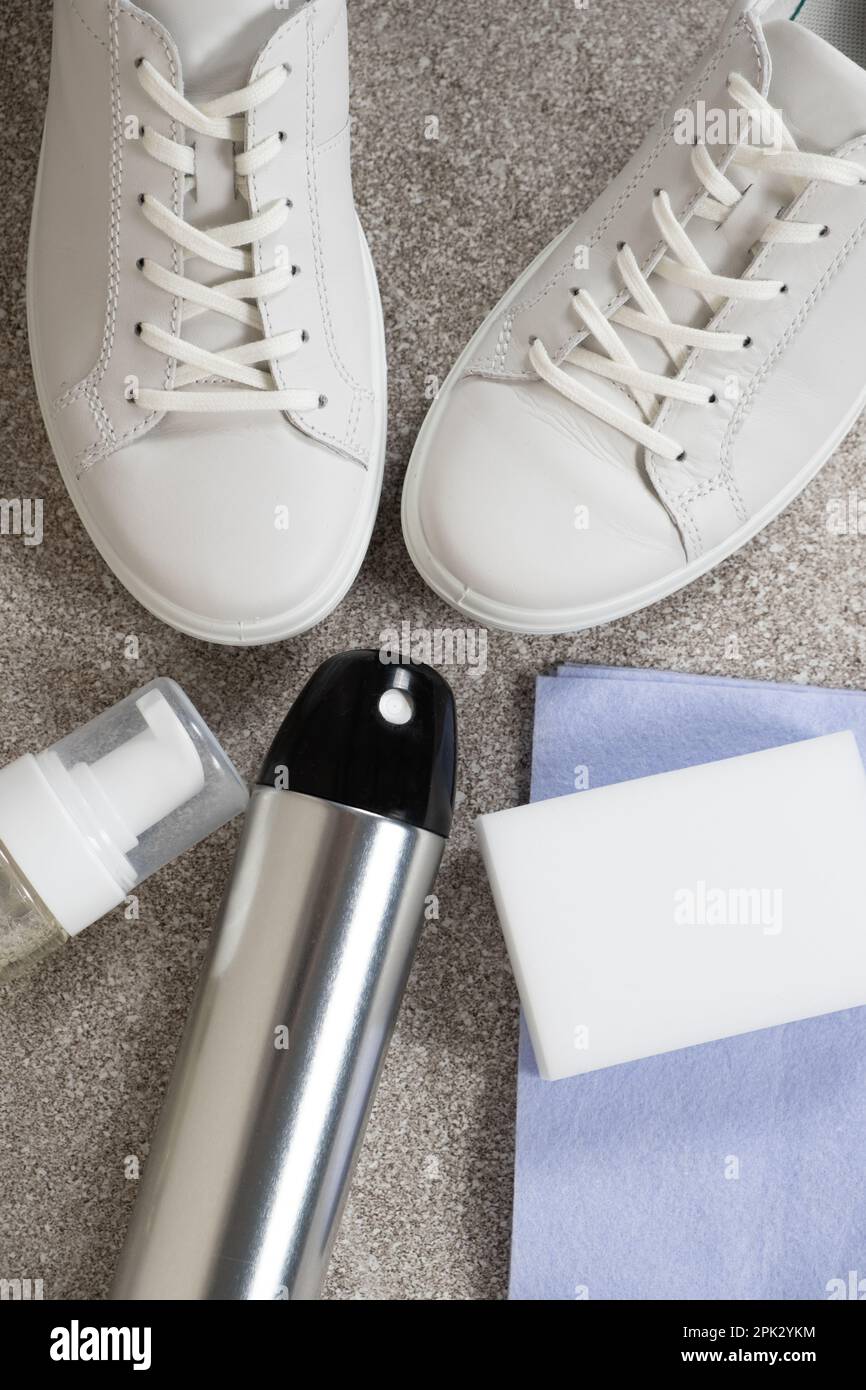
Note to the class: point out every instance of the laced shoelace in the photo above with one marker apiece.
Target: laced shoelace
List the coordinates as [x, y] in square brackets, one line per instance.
[246, 367]
[685, 266]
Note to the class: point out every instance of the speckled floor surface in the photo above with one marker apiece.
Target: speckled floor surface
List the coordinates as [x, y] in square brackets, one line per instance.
[537, 106]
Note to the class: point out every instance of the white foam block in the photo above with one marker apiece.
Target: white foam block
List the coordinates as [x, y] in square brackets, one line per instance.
[694, 905]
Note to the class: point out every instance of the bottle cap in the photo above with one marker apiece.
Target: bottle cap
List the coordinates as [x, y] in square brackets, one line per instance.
[94, 816]
[375, 735]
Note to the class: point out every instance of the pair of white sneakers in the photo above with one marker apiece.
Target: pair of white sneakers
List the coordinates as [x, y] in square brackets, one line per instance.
[208, 346]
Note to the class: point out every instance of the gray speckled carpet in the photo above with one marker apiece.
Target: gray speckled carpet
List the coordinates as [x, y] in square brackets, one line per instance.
[537, 106]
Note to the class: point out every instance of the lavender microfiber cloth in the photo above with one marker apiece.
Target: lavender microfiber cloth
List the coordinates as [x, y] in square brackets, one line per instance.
[732, 1170]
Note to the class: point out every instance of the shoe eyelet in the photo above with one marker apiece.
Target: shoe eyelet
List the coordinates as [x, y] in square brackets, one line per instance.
[139, 329]
[680, 456]
[747, 342]
[574, 291]
[784, 289]
[141, 199]
[713, 399]
[296, 270]
[289, 203]
[323, 401]
[139, 265]
[533, 339]
[283, 136]
[825, 230]
[288, 68]
[305, 337]
[139, 62]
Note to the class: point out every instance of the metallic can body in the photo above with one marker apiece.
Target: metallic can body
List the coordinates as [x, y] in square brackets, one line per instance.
[251, 1163]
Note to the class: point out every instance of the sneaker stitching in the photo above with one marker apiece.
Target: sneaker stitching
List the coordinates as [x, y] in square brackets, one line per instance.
[725, 472]
[747, 400]
[95, 452]
[680, 503]
[357, 390]
[75, 10]
[312, 177]
[86, 388]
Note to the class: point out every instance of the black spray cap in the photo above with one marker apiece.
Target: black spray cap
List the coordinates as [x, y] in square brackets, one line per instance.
[379, 737]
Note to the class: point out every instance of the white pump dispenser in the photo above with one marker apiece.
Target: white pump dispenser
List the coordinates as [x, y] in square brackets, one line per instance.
[82, 824]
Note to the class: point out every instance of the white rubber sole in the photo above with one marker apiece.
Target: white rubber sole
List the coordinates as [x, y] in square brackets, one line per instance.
[555, 622]
[320, 604]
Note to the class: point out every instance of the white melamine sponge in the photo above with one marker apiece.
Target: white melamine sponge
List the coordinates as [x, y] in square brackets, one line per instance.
[673, 910]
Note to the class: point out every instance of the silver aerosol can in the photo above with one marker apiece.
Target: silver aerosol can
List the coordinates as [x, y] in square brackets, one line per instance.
[250, 1166]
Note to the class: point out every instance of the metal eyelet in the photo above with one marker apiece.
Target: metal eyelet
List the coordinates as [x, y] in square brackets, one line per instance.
[323, 401]
[681, 456]
[747, 342]
[139, 265]
[139, 329]
[305, 337]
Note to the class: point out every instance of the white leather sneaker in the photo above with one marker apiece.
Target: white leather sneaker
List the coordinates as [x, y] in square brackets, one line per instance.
[675, 368]
[205, 325]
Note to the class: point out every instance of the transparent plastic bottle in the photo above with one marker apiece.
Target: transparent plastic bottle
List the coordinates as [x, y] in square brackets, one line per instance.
[87, 821]
[28, 932]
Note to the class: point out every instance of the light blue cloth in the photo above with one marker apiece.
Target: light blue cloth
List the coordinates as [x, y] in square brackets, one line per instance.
[733, 1170]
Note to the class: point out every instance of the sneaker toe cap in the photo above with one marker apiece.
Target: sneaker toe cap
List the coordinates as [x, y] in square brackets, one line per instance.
[521, 512]
[231, 532]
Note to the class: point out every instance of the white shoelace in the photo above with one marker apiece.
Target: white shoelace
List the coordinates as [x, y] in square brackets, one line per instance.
[685, 266]
[228, 247]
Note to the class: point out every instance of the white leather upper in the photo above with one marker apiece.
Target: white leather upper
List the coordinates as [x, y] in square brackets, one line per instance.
[542, 306]
[186, 507]
[503, 446]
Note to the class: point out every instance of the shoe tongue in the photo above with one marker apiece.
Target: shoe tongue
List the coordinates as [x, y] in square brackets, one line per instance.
[820, 93]
[219, 40]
